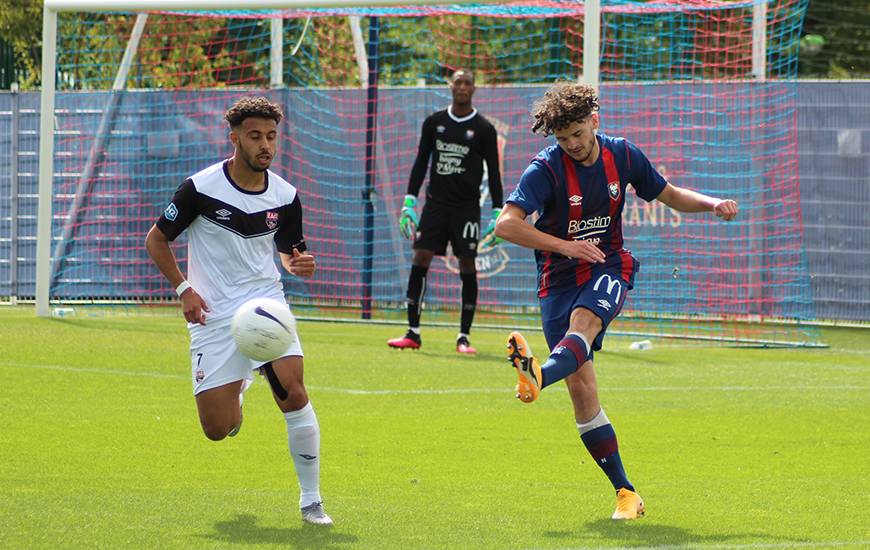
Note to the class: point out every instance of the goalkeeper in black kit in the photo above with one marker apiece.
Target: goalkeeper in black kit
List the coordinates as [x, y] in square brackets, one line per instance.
[459, 140]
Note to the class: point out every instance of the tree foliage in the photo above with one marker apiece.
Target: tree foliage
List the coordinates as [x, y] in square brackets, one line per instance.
[174, 52]
[21, 28]
[836, 40]
[182, 51]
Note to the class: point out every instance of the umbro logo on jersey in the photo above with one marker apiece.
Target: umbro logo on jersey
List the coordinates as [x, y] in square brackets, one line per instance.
[223, 214]
[613, 187]
[440, 129]
[604, 304]
[469, 134]
[575, 200]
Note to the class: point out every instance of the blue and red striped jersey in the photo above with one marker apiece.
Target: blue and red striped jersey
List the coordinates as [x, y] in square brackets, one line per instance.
[580, 202]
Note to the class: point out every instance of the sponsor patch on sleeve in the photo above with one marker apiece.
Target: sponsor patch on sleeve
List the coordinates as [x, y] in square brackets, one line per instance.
[171, 212]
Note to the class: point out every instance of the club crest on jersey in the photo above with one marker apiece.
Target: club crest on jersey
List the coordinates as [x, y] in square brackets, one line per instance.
[469, 134]
[271, 220]
[613, 188]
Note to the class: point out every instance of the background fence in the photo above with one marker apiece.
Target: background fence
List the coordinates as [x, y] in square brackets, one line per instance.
[834, 161]
[834, 168]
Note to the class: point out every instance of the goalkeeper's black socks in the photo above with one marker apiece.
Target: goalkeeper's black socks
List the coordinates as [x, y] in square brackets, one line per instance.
[416, 291]
[469, 300]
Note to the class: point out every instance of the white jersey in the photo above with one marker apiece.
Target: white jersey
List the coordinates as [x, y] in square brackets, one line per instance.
[232, 236]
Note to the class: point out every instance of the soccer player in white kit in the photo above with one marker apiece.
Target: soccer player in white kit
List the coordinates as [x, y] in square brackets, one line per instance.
[236, 213]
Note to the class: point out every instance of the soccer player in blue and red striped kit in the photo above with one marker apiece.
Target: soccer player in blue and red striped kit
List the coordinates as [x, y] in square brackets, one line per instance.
[578, 187]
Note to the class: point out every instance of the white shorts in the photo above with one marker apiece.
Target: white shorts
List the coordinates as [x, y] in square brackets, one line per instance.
[215, 360]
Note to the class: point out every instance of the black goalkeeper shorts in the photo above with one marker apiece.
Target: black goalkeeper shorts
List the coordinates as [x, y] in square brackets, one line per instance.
[457, 224]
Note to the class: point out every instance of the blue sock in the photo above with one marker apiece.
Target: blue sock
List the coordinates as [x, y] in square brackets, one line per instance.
[571, 352]
[600, 441]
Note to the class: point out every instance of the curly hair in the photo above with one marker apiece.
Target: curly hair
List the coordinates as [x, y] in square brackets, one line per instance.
[248, 107]
[562, 105]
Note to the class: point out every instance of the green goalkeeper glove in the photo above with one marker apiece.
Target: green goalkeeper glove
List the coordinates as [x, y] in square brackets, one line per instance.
[408, 220]
[488, 239]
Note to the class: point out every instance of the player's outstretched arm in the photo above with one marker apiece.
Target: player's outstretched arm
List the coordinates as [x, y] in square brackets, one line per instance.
[192, 304]
[301, 264]
[686, 200]
[511, 226]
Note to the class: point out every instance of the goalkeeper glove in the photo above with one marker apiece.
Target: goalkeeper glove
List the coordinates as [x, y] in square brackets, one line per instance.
[488, 238]
[408, 221]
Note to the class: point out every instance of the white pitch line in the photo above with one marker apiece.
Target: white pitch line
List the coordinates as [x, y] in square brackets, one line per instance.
[457, 391]
[93, 370]
[446, 391]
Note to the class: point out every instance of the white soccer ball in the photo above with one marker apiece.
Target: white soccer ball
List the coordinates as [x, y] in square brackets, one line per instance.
[263, 329]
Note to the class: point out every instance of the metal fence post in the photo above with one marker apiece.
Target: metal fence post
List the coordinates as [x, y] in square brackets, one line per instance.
[13, 196]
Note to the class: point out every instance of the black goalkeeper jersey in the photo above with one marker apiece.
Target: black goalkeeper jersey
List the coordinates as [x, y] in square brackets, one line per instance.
[458, 147]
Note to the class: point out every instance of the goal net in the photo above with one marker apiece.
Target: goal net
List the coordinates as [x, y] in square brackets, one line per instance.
[703, 87]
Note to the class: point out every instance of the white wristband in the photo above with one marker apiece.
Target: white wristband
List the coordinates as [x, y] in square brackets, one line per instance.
[181, 288]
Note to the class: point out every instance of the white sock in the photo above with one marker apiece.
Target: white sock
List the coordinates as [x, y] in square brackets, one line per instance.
[596, 421]
[578, 335]
[303, 436]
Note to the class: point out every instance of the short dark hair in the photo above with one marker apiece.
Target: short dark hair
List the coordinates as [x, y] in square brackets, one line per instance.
[562, 105]
[248, 107]
[461, 71]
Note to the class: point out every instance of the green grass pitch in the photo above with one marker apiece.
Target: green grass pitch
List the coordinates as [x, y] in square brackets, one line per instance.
[730, 448]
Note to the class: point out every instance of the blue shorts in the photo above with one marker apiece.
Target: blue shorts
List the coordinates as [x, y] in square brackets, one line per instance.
[603, 295]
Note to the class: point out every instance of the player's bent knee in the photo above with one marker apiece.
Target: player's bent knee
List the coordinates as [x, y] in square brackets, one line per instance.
[297, 397]
[585, 322]
[589, 324]
[216, 432]
[215, 436]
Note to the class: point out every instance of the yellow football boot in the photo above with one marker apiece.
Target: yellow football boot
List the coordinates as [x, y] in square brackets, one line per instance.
[528, 369]
[629, 505]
